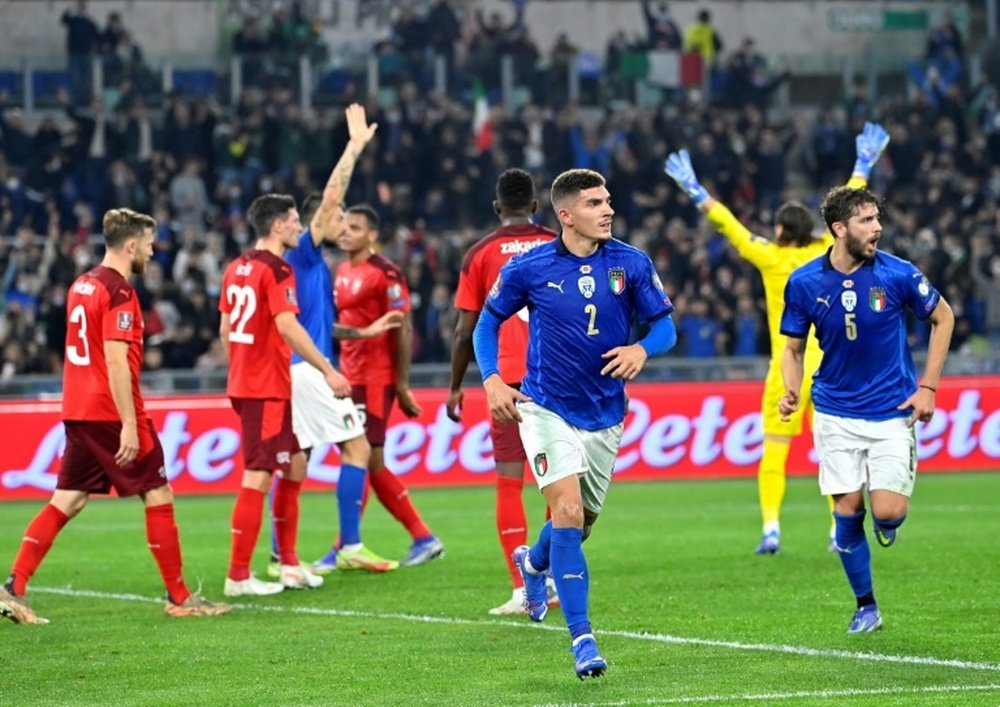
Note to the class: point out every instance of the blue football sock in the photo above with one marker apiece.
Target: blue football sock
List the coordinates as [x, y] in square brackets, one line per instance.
[539, 554]
[350, 489]
[569, 569]
[889, 524]
[855, 555]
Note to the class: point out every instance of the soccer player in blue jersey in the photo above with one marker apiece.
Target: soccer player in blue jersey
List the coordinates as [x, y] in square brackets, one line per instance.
[317, 416]
[866, 393]
[583, 291]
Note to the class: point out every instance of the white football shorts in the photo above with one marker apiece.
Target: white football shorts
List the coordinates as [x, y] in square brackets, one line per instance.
[317, 416]
[556, 449]
[854, 454]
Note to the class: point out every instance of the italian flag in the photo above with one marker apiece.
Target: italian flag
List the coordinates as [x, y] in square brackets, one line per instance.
[482, 128]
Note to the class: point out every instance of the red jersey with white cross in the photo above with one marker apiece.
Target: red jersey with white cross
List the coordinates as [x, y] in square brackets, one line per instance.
[480, 270]
[363, 293]
[256, 288]
[101, 306]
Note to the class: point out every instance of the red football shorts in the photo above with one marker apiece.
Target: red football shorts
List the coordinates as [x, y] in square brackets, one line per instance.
[268, 439]
[507, 445]
[88, 464]
[374, 402]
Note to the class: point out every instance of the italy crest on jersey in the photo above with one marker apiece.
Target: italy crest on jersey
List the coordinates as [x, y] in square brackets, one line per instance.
[616, 280]
[876, 299]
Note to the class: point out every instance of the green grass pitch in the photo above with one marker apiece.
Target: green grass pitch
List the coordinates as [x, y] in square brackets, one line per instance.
[684, 611]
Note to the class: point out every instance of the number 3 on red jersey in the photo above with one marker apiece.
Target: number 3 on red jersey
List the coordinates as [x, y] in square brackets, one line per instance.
[243, 301]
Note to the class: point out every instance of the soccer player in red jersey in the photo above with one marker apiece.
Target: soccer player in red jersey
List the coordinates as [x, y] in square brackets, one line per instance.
[259, 328]
[110, 440]
[514, 205]
[366, 286]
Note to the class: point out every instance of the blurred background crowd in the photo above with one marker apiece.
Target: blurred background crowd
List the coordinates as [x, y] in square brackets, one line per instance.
[195, 165]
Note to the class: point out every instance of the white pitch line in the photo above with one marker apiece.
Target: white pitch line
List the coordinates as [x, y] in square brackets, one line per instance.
[805, 694]
[641, 636]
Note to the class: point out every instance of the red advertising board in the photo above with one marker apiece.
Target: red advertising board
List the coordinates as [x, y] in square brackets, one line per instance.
[673, 430]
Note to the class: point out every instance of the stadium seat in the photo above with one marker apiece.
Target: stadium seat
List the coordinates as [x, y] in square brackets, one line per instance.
[12, 82]
[195, 82]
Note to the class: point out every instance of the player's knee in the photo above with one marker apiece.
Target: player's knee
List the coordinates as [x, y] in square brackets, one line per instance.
[356, 452]
[567, 513]
[887, 506]
[589, 518]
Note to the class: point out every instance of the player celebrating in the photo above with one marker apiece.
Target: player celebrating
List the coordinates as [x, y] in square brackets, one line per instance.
[258, 326]
[367, 286]
[110, 440]
[583, 290]
[793, 245]
[514, 205]
[866, 393]
[318, 417]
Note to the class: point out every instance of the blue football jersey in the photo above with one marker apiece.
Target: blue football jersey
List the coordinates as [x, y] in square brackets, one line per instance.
[860, 321]
[578, 308]
[314, 291]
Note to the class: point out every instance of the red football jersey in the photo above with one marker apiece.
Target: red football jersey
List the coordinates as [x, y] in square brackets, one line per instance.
[257, 287]
[101, 306]
[363, 293]
[480, 270]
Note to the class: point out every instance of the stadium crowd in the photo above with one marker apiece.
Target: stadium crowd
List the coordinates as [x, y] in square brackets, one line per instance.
[195, 166]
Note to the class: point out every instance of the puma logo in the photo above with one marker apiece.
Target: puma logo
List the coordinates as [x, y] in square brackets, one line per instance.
[824, 300]
[557, 287]
[573, 576]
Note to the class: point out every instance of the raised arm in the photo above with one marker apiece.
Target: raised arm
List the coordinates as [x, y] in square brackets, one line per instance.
[361, 133]
[869, 145]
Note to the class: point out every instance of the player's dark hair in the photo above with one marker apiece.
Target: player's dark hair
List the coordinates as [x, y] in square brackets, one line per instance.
[266, 209]
[121, 224]
[843, 202]
[515, 190]
[796, 223]
[310, 205]
[573, 181]
[370, 214]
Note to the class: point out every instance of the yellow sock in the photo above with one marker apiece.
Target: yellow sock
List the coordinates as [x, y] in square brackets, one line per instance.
[771, 480]
[833, 521]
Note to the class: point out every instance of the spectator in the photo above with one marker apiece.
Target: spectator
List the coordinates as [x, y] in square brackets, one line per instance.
[702, 38]
[661, 31]
[82, 43]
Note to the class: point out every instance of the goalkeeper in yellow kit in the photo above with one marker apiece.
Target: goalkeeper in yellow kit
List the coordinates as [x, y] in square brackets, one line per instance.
[793, 245]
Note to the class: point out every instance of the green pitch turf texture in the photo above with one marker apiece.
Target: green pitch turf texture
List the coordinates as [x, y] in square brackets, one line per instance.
[685, 613]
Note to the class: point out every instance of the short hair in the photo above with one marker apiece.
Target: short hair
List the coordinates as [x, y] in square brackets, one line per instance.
[366, 210]
[121, 224]
[266, 209]
[515, 190]
[573, 181]
[796, 222]
[310, 205]
[841, 203]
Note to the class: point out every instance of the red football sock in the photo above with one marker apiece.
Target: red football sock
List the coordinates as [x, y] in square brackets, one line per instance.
[512, 524]
[165, 544]
[286, 518]
[35, 544]
[396, 499]
[245, 529]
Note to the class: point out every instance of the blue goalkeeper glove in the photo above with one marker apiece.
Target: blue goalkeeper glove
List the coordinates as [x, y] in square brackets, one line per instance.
[870, 143]
[679, 168]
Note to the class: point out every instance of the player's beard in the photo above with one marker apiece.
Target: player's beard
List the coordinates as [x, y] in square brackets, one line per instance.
[138, 265]
[857, 247]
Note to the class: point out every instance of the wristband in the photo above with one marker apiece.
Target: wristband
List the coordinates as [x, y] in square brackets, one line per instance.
[933, 390]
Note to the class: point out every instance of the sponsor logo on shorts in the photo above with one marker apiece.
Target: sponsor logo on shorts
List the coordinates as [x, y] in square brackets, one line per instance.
[124, 321]
[541, 464]
[284, 457]
[162, 472]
